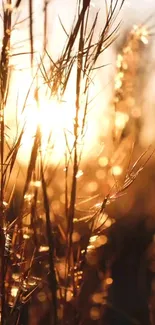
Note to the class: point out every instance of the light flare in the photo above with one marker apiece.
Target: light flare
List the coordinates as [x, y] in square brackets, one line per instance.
[14, 291]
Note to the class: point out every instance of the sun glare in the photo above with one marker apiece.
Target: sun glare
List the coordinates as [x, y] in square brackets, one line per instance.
[55, 119]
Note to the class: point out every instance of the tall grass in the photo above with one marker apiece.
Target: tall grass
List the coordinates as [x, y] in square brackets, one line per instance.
[36, 234]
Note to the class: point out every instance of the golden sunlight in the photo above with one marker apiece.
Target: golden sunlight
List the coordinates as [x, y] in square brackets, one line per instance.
[56, 120]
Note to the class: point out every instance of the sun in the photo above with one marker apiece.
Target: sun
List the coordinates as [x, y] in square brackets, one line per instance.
[55, 118]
